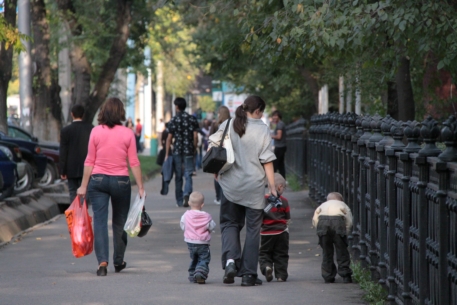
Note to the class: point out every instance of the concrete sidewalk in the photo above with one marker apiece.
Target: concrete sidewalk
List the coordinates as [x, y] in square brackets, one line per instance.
[40, 268]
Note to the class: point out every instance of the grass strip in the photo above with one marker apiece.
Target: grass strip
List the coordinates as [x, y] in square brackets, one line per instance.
[148, 168]
[375, 294]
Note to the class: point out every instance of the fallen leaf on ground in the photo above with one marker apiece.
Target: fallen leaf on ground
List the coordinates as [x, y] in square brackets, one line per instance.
[38, 238]
[317, 255]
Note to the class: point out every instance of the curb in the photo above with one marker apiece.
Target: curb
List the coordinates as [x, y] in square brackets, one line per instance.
[30, 209]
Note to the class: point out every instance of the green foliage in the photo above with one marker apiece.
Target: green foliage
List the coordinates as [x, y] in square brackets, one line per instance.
[11, 36]
[374, 293]
[206, 103]
[171, 42]
[262, 45]
[293, 183]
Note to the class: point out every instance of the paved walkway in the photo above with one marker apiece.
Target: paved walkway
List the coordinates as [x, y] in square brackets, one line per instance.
[40, 268]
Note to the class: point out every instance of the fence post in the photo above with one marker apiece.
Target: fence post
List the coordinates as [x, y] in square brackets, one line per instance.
[355, 203]
[407, 169]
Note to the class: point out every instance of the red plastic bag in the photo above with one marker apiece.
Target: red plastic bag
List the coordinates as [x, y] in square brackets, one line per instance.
[80, 227]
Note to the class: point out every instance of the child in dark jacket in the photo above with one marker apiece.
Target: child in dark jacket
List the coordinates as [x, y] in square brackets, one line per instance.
[197, 226]
[274, 244]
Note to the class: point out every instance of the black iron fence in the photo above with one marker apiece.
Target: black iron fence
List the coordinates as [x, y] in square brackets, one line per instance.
[296, 155]
[402, 191]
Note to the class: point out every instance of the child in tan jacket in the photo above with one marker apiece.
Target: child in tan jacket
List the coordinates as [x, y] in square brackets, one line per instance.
[333, 220]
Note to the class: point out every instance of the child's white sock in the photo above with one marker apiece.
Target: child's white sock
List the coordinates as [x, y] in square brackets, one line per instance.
[230, 261]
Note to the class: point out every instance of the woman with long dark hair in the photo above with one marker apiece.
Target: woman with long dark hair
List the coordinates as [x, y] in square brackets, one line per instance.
[243, 185]
[110, 145]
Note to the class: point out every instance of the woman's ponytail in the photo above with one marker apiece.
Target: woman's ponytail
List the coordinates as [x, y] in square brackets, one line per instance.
[239, 124]
[250, 104]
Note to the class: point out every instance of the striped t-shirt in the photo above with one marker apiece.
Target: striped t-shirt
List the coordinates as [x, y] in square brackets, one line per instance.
[275, 221]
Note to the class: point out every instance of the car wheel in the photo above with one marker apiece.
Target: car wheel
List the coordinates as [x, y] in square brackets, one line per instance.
[25, 183]
[49, 176]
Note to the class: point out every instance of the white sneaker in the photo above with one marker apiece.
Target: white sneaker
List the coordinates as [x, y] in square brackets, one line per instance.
[218, 202]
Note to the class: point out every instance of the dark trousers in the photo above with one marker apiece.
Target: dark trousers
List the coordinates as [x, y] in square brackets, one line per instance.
[274, 253]
[138, 144]
[73, 185]
[101, 189]
[278, 164]
[330, 243]
[200, 257]
[218, 189]
[232, 219]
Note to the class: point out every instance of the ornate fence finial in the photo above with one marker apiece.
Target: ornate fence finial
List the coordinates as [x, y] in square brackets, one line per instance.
[359, 128]
[449, 137]
[386, 125]
[412, 133]
[397, 133]
[430, 132]
[366, 126]
[375, 124]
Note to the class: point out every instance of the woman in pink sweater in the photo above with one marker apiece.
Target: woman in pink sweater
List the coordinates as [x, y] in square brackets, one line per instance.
[106, 177]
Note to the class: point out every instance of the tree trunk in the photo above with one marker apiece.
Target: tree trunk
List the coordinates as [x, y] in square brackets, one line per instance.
[392, 100]
[81, 66]
[117, 52]
[6, 63]
[47, 110]
[312, 84]
[406, 107]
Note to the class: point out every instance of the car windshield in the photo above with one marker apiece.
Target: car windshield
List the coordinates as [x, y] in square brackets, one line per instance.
[18, 134]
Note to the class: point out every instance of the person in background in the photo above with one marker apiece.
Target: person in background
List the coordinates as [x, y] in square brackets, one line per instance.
[74, 139]
[223, 114]
[279, 138]
[129, 124]
[106, 179]
[197, 226]
[243, 190]
[183, 127]
[138, 130]
[161, 127]
[333, 220]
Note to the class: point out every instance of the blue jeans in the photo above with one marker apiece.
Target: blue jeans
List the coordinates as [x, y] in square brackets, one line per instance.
[184, 166]
[198, 159]
[200, 257]
[101, 188]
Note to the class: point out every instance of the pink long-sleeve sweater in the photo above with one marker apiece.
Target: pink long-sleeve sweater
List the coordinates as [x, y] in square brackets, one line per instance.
[109, 149]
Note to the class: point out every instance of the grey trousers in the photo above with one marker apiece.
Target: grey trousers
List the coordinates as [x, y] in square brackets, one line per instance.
[232, 220]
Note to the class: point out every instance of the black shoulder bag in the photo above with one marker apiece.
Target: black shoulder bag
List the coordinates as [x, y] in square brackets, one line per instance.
[216, 157]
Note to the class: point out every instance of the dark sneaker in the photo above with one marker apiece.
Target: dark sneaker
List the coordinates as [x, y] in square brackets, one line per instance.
[119, 268]
[250, 280]
[200, 279]
[230, 272]
[330, 281]
[268, 274]
[347, 279]
[186, 201]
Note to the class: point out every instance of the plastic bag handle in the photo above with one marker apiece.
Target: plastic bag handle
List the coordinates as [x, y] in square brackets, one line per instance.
[81, 200]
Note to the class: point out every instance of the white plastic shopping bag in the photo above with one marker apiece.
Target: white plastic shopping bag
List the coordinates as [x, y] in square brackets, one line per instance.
[133, 223]
[229, 149]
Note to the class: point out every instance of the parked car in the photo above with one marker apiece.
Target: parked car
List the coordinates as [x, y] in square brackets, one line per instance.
[49, 149]
[8, 175]
[31, 153]
[25, 175]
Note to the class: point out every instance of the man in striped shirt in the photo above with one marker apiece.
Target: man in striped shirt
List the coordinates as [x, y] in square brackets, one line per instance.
[274, 244]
